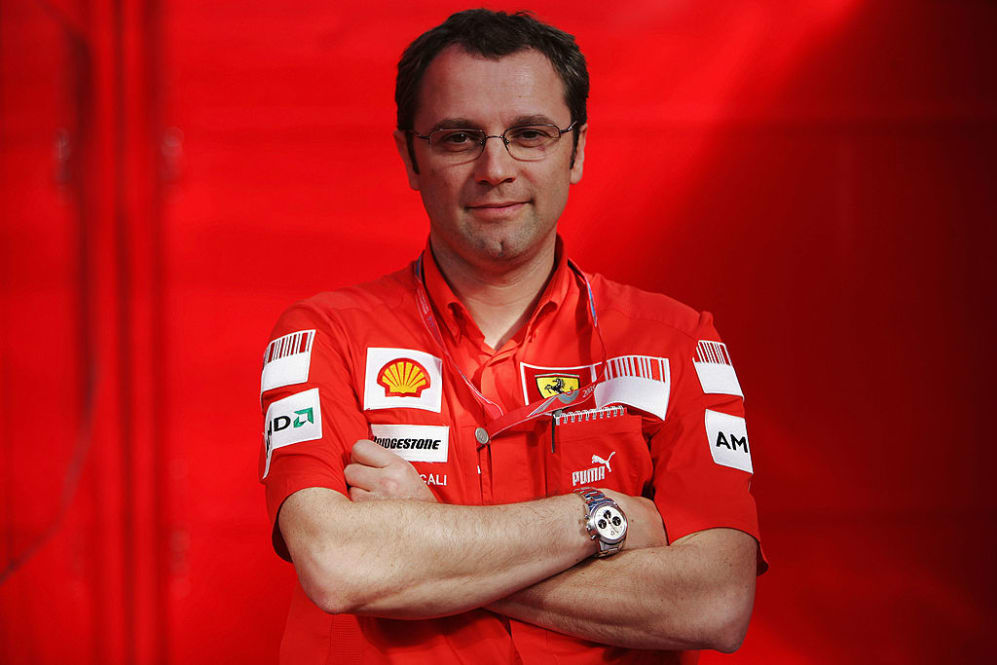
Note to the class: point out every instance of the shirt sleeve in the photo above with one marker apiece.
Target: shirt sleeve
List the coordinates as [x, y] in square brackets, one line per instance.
[701, 454]
[311, 412]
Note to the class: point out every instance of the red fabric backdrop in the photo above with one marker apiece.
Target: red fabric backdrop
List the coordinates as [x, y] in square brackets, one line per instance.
[819, 175]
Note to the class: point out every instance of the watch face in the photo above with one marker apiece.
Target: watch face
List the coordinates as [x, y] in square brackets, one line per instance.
[610, 524]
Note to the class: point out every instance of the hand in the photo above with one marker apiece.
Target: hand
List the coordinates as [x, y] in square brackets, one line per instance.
[644, 525]
[375, 473]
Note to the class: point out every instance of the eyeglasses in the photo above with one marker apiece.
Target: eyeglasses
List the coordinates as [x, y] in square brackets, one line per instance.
[528, 143]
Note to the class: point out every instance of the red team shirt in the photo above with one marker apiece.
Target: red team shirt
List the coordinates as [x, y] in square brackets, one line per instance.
[360, 363]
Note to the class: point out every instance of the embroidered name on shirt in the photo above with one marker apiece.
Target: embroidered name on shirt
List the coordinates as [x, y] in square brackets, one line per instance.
[434, 479]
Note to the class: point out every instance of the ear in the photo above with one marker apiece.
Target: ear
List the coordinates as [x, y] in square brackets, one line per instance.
[402, 145]
[579, 163]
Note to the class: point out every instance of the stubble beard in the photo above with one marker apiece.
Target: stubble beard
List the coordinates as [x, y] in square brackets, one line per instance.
[509, 246]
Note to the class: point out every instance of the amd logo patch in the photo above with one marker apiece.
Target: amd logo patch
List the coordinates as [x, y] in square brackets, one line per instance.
[732, 443]
[292, 420]
[728, 439]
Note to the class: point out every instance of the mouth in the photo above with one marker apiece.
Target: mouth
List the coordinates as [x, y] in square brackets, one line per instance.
[496, 210]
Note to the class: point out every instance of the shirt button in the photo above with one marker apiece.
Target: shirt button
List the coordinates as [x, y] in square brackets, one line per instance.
[481, 434]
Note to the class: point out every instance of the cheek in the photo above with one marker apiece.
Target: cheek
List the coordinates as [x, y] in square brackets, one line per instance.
[441, 186]
[556, 188]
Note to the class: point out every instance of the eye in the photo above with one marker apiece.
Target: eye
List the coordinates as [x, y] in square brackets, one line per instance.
[456, 137]
[456, 140]
[532, 136]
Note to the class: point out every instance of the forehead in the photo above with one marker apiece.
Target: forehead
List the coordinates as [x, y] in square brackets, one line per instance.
[490, 91]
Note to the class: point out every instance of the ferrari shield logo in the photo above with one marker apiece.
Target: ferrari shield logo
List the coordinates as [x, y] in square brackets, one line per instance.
[544, 382]
[556, 384]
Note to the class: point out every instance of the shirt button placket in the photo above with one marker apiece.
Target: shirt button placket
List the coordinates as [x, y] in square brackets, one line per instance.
[491, 458]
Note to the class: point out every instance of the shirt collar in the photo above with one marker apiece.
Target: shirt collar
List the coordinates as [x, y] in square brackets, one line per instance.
[453, 313]
[444, 300]
[557, 287]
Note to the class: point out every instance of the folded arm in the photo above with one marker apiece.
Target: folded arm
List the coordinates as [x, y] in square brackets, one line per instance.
[404, 558]
[695, 594]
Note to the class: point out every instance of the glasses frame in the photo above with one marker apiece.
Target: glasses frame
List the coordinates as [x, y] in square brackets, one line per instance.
[484, 138]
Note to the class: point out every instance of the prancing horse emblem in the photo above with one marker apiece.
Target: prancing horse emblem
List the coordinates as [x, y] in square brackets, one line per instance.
[605, 462]
[556, 384]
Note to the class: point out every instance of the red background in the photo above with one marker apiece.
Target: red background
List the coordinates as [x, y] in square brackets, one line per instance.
[820, 175]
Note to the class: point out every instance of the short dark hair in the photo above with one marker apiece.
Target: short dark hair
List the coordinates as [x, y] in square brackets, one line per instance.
[493, 35]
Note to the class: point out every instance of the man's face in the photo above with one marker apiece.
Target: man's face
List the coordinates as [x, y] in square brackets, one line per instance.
[494, 209]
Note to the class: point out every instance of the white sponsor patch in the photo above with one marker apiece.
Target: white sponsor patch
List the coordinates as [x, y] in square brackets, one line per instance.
[715, 369]
[292, 420]
[727, 436]
[287, 360]
[415, 443]
[402, 378]
[643, 382]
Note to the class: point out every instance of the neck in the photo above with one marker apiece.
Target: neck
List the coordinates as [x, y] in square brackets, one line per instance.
[500, 298]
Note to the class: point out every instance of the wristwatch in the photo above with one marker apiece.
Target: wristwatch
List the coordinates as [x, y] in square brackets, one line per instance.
[604, 521]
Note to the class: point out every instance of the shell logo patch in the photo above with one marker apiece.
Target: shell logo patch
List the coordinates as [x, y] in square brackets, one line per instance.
[403, 377]
[556, 384]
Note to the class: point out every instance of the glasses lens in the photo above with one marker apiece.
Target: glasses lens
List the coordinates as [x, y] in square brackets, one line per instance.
[531, 142]
[456, 141]
[527, 142]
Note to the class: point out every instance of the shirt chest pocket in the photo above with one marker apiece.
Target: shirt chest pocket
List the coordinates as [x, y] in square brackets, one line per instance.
[606, 449]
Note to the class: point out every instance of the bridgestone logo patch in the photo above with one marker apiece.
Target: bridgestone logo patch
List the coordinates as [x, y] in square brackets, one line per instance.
[406, 444]
[415, 443]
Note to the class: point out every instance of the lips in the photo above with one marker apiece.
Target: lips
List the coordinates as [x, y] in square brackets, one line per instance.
[499, 204]
[496, 211]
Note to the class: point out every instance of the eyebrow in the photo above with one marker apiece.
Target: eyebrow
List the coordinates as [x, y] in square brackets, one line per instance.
[454, 123]
[519, 121]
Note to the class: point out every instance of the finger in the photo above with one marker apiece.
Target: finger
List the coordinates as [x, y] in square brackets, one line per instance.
[367, 452]
[362, 476]
[359, 495]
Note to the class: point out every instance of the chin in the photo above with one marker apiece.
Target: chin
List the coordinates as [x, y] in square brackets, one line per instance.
[511, 243]
[505, 248]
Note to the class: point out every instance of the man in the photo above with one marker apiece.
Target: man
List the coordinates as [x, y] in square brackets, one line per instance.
[520, 460]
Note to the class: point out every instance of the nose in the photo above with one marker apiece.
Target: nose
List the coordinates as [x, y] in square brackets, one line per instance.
[494, 165]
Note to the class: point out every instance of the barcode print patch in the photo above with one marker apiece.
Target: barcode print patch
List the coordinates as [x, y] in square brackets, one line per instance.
[644, 367]
[287, 360]
[288, 345]
[715, 369]
[712, 352]
[643, 382]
